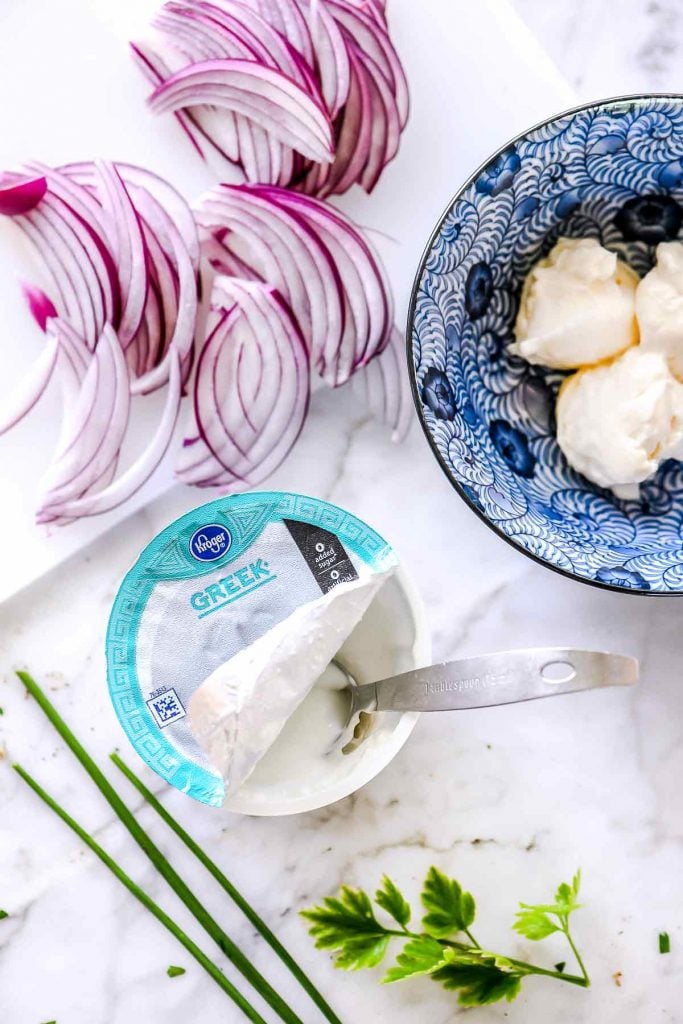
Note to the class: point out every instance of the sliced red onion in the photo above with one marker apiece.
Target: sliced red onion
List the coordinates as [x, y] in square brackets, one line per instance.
[73, 351]
[232, 29]
[171, 249]
[324, 268]
[252, 387]
[337, 52]
[30, 388]
[98, 427]
[183, 327]
[373, 40]
[331, 57]
[366, 290]
[41, 306]
[156, 71]
[290, 21]
[74, 359]
[122, 249]
[262, 94]
[83, 214]
[128, 248]
[384, 389]
[60, 249]
[354, 135]
[129, 482]
[20, 194]
[259, 239]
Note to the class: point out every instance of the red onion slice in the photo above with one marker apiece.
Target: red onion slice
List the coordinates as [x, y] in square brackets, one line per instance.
[98, 426]
[290, 21]
[30, 388]
[173, 243]
[232, 29]
[366, 289]
[20, 194]
[282, 250]
[266, 96]
[253, 382]
[156, 71]
[128, 248]
[354, 134]
[130, 481]
[41, 306]
[343, 91]
[329, 274]
[330, 55]
[373, 39]
[67, 265]
[122, 248]
[82, 211]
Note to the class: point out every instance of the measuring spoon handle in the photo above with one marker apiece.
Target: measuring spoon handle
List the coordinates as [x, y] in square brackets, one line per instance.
[505, 678]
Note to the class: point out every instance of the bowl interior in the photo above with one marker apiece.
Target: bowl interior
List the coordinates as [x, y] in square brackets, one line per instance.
[613, 171]
[392, 637]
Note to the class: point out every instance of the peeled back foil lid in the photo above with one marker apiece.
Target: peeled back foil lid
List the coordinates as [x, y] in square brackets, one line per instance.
[210, 585]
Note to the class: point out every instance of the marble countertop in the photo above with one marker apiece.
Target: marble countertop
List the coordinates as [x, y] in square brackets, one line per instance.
[511, 800]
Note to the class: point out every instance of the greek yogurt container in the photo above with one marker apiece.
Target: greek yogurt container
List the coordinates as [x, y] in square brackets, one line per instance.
[224, 628]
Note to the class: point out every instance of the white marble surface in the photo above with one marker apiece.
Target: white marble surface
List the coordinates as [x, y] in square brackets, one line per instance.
[611, 47]
[509, 800]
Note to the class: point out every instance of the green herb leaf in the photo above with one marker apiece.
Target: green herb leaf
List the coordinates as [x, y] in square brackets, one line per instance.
[533, 920]
[348, 926]
[390, 899]
[3, 915]
[175, 972]
[2, 711]
[420, 956]
[567, 895]
[449, 908]
[533, 923]
[664, 942]
[479, 977]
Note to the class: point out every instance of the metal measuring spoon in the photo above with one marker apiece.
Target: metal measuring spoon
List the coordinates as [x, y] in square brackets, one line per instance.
[484, 681]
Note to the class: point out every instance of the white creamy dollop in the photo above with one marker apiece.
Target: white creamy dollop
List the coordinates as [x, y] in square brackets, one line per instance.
[239, 710]
[577, 307]
[617, 422]
[659, 306]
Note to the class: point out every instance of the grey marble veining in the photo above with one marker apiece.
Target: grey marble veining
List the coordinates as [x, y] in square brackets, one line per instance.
[511, 800]
[611, 47]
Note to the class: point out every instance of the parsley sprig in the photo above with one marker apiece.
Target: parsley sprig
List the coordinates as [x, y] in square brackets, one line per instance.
[445, 948]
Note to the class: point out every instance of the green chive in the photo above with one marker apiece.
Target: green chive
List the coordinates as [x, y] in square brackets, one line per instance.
[227, 886]
[210, 925]
[664, 942]
[175, 972]
[3, 915]
[143, 898]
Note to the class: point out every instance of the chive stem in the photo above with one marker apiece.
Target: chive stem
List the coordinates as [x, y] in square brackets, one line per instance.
[168, 872]
[227, 886]
[147, 902]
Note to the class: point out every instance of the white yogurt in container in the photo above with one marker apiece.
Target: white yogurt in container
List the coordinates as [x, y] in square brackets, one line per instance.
[220, 645]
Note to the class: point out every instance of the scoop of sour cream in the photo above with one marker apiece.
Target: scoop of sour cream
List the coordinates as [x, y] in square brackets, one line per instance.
[577, 307]
[617, 422]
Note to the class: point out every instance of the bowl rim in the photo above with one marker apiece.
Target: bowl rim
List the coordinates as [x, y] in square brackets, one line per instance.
[566, 573]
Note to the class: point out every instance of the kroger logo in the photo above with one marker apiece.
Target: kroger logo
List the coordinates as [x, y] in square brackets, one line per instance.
[210, 542]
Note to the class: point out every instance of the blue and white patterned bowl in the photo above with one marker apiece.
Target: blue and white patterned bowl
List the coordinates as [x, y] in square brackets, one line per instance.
[611, 170]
